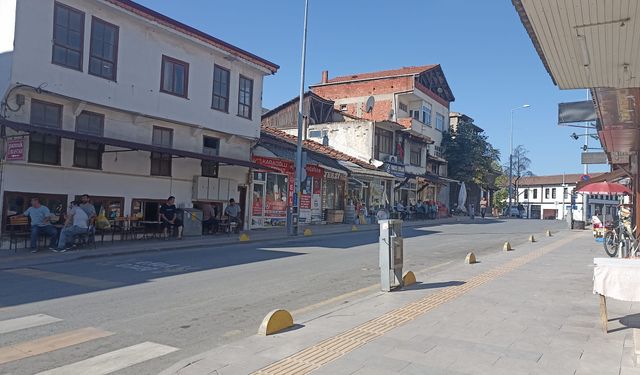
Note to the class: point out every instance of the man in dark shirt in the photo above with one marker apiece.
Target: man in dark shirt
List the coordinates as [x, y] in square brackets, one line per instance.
[169, 217]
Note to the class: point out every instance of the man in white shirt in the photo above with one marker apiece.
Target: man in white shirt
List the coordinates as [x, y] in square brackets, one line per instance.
[77, 223]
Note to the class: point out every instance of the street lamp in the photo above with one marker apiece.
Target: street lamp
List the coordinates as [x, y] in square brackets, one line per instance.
[511, 156]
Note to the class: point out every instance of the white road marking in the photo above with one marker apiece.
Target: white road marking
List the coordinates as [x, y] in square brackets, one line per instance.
[113, 361]
[24, 322]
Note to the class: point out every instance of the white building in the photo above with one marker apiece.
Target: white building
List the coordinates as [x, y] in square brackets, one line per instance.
[549, 197]
[112, 99]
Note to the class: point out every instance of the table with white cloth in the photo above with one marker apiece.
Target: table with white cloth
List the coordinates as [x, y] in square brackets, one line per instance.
[618, 279]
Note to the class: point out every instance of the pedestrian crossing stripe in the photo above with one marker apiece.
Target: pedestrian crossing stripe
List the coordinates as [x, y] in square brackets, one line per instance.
[11, 325]
[113, 361]
[50, 343]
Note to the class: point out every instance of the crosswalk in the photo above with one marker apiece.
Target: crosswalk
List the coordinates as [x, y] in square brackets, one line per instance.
[101, 364]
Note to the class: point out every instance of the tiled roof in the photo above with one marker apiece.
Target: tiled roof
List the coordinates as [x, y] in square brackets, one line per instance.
[315, 147]
[405, 122]
[553, 180]
[169, 22]
[405, 71]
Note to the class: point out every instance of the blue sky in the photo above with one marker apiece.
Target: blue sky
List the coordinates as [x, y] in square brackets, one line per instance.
[486, 55]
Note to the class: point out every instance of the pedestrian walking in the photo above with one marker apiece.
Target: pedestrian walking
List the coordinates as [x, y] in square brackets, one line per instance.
[483, 206]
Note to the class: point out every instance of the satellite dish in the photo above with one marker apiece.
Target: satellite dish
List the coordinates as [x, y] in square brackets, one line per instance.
[370, 103]
[440, 90]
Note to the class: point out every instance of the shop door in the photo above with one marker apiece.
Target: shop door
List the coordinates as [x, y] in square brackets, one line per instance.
[257, 205]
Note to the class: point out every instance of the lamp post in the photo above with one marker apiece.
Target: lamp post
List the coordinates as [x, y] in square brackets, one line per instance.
[295, 211]
[511, 157]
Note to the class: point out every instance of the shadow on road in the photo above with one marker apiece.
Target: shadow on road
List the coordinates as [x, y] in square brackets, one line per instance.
[421, 286]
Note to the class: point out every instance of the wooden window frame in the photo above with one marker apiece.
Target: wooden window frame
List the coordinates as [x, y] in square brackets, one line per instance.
[412, 153]
[379, 135]
[116, 46]
[60, 114]
[161, 157]
[175, 61]
[82, 143]
[213, 96]
[57, 4]
[250, 105]
[204, 163]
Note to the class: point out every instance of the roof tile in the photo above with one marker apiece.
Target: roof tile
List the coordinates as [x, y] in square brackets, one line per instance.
[408, 70]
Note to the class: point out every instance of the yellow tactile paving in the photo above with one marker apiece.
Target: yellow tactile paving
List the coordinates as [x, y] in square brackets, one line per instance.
[318, 355]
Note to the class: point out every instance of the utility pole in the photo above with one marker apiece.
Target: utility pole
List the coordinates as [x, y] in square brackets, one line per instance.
[293, 222]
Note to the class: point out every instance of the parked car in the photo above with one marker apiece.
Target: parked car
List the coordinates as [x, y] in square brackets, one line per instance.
[512, 211]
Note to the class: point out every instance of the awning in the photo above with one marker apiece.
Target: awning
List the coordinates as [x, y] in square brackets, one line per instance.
[356, 170]
[126, 145]
[433, 178]
[612, 176]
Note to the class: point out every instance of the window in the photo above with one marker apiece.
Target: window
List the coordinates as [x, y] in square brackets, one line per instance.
[415, 155]
[439, 122]
[526, 193]
[88, 154]
[438, 150]
[415, 114]
[426, 114]
[565, 193]
[546, 193]
[161, 162]
[68, 36]
[18, 202]
[384, 142]
[45, 148]
[535, 193]
[245, 97]
[402, 106]
[553, 193]
[103, 55]
[210, 146]
[174, 77]
[434, 169]
[343, 107]
[220, 99]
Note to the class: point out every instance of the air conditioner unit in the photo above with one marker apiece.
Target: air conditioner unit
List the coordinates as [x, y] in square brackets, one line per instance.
[392, 159]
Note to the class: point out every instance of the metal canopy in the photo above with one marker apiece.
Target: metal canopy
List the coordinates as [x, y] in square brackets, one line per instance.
[125, 145]
[585, 43]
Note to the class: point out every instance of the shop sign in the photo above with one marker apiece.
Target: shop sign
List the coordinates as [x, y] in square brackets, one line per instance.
[15, 149]
[594, 158]
[332, 175]
[619, 157]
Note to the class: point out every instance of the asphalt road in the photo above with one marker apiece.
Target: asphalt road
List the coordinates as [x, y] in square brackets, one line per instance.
[192, 300]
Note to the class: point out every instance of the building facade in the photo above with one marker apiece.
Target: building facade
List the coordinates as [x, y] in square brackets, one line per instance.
[112, 99]
[551, 198]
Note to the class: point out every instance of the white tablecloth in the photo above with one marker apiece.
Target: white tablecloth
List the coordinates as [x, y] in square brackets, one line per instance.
[617, 278]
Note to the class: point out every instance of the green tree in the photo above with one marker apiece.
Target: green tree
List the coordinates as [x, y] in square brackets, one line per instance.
[471, 157]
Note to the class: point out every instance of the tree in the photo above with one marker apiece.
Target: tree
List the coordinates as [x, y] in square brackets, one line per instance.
[471, 157]
[520, 164]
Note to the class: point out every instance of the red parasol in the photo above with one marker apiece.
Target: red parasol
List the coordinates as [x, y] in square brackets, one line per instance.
[604, 188]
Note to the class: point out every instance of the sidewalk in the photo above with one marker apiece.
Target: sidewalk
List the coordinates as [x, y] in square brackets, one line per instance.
[23, 258]
[529, 311]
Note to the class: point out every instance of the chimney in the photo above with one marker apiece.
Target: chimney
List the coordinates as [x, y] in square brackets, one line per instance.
[325, 76]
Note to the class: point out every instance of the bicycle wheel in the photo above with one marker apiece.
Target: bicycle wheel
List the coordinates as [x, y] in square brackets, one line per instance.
[610, 243]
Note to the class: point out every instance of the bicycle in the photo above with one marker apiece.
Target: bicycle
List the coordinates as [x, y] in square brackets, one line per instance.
[619, 240]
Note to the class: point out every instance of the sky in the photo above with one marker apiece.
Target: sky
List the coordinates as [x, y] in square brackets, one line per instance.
[485, 53]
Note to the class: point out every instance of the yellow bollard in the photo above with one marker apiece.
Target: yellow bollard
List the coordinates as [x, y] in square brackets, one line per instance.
[308, 232]
[471, 258]
[409, 278]
[532, 238]
[354, 228]
[507, 246]
[275, 321]
[244, 237]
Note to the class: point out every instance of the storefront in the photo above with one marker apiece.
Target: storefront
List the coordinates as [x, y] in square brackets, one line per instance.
[272, 192]
[333, 196]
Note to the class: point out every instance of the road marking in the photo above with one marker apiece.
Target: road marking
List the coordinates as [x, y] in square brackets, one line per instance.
[64, 278]
[11, 325]
[48, 344]
[320, 354]
[344, 296]
[113, 361]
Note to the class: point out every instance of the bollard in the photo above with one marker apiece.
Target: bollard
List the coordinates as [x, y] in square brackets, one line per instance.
[548, 233]
[532, 238]
[275, 321]
[409, 278]
[471, 258]
[308, 232]
[244, 237]
[507, 246]
[354, 228]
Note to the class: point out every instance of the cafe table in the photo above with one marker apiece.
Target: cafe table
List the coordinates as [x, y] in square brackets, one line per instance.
[617, 278]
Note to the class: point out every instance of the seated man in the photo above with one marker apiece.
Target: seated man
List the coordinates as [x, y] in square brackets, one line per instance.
[233, 212]
[209, 218]
[40, 223]
[169, 217]
[77, 223]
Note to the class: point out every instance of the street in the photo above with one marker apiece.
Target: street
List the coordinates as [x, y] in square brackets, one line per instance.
[184, 302]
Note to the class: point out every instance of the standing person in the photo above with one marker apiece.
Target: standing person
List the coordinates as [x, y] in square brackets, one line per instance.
[88, 207]
[209, 218]
[77, 223]
[169, 217]
[483, 206]
[233, 212]
[40, 223]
